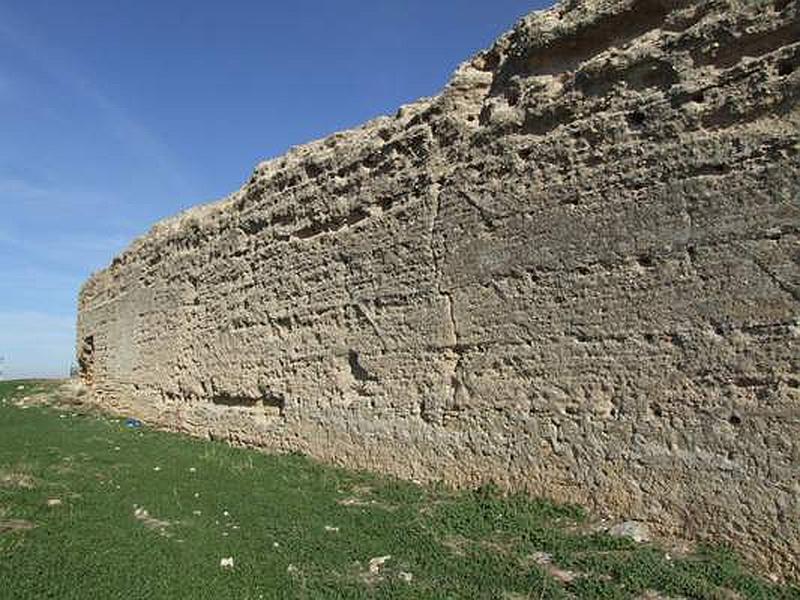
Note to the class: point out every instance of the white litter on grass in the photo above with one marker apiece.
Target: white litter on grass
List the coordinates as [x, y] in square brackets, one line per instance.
[192, 469]
[406, 577]
[53, 502]
[117, 448]
[275, 544]
[376, 563]
[156, 468]
[331, 529]
[20, 387]
[226, 563]
[226, 513]
[197, 494]
[197, 513]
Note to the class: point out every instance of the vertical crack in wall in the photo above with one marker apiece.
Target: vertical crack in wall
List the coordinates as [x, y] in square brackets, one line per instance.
[435, 191]
[454, 342]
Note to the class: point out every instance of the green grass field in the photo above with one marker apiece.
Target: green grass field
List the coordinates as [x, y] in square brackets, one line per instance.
[92, 509]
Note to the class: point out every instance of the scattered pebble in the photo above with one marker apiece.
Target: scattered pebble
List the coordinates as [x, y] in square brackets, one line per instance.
[226, 563]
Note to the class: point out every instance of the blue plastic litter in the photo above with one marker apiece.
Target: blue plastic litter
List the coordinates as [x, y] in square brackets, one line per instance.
[133, 423]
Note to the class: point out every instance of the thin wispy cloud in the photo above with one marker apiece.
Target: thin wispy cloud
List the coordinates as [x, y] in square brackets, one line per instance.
[20, 189]
[83, 247]
[33, 192]
[25, 335]
[76, 251]
[117, 120]
[6, 87]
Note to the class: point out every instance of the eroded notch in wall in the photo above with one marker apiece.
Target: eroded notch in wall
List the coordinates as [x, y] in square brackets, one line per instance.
[86, 360]
[273, 404]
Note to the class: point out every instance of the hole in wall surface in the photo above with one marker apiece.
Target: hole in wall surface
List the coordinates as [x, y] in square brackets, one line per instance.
[785, 68]
[636, 119]
[356, 368]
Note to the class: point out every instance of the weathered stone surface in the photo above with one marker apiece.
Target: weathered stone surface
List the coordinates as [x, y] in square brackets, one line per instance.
[574, 272]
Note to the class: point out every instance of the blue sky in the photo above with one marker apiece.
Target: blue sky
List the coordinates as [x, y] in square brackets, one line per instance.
[114, 115]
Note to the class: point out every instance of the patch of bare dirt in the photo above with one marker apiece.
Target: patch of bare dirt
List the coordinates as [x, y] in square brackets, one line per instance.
[545, 562]
[354, 501]
[149, 521]
[358, 498]
[457, 544]
[10, 525]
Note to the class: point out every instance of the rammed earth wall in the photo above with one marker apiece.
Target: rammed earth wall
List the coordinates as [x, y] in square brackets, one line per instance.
[574, 272]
